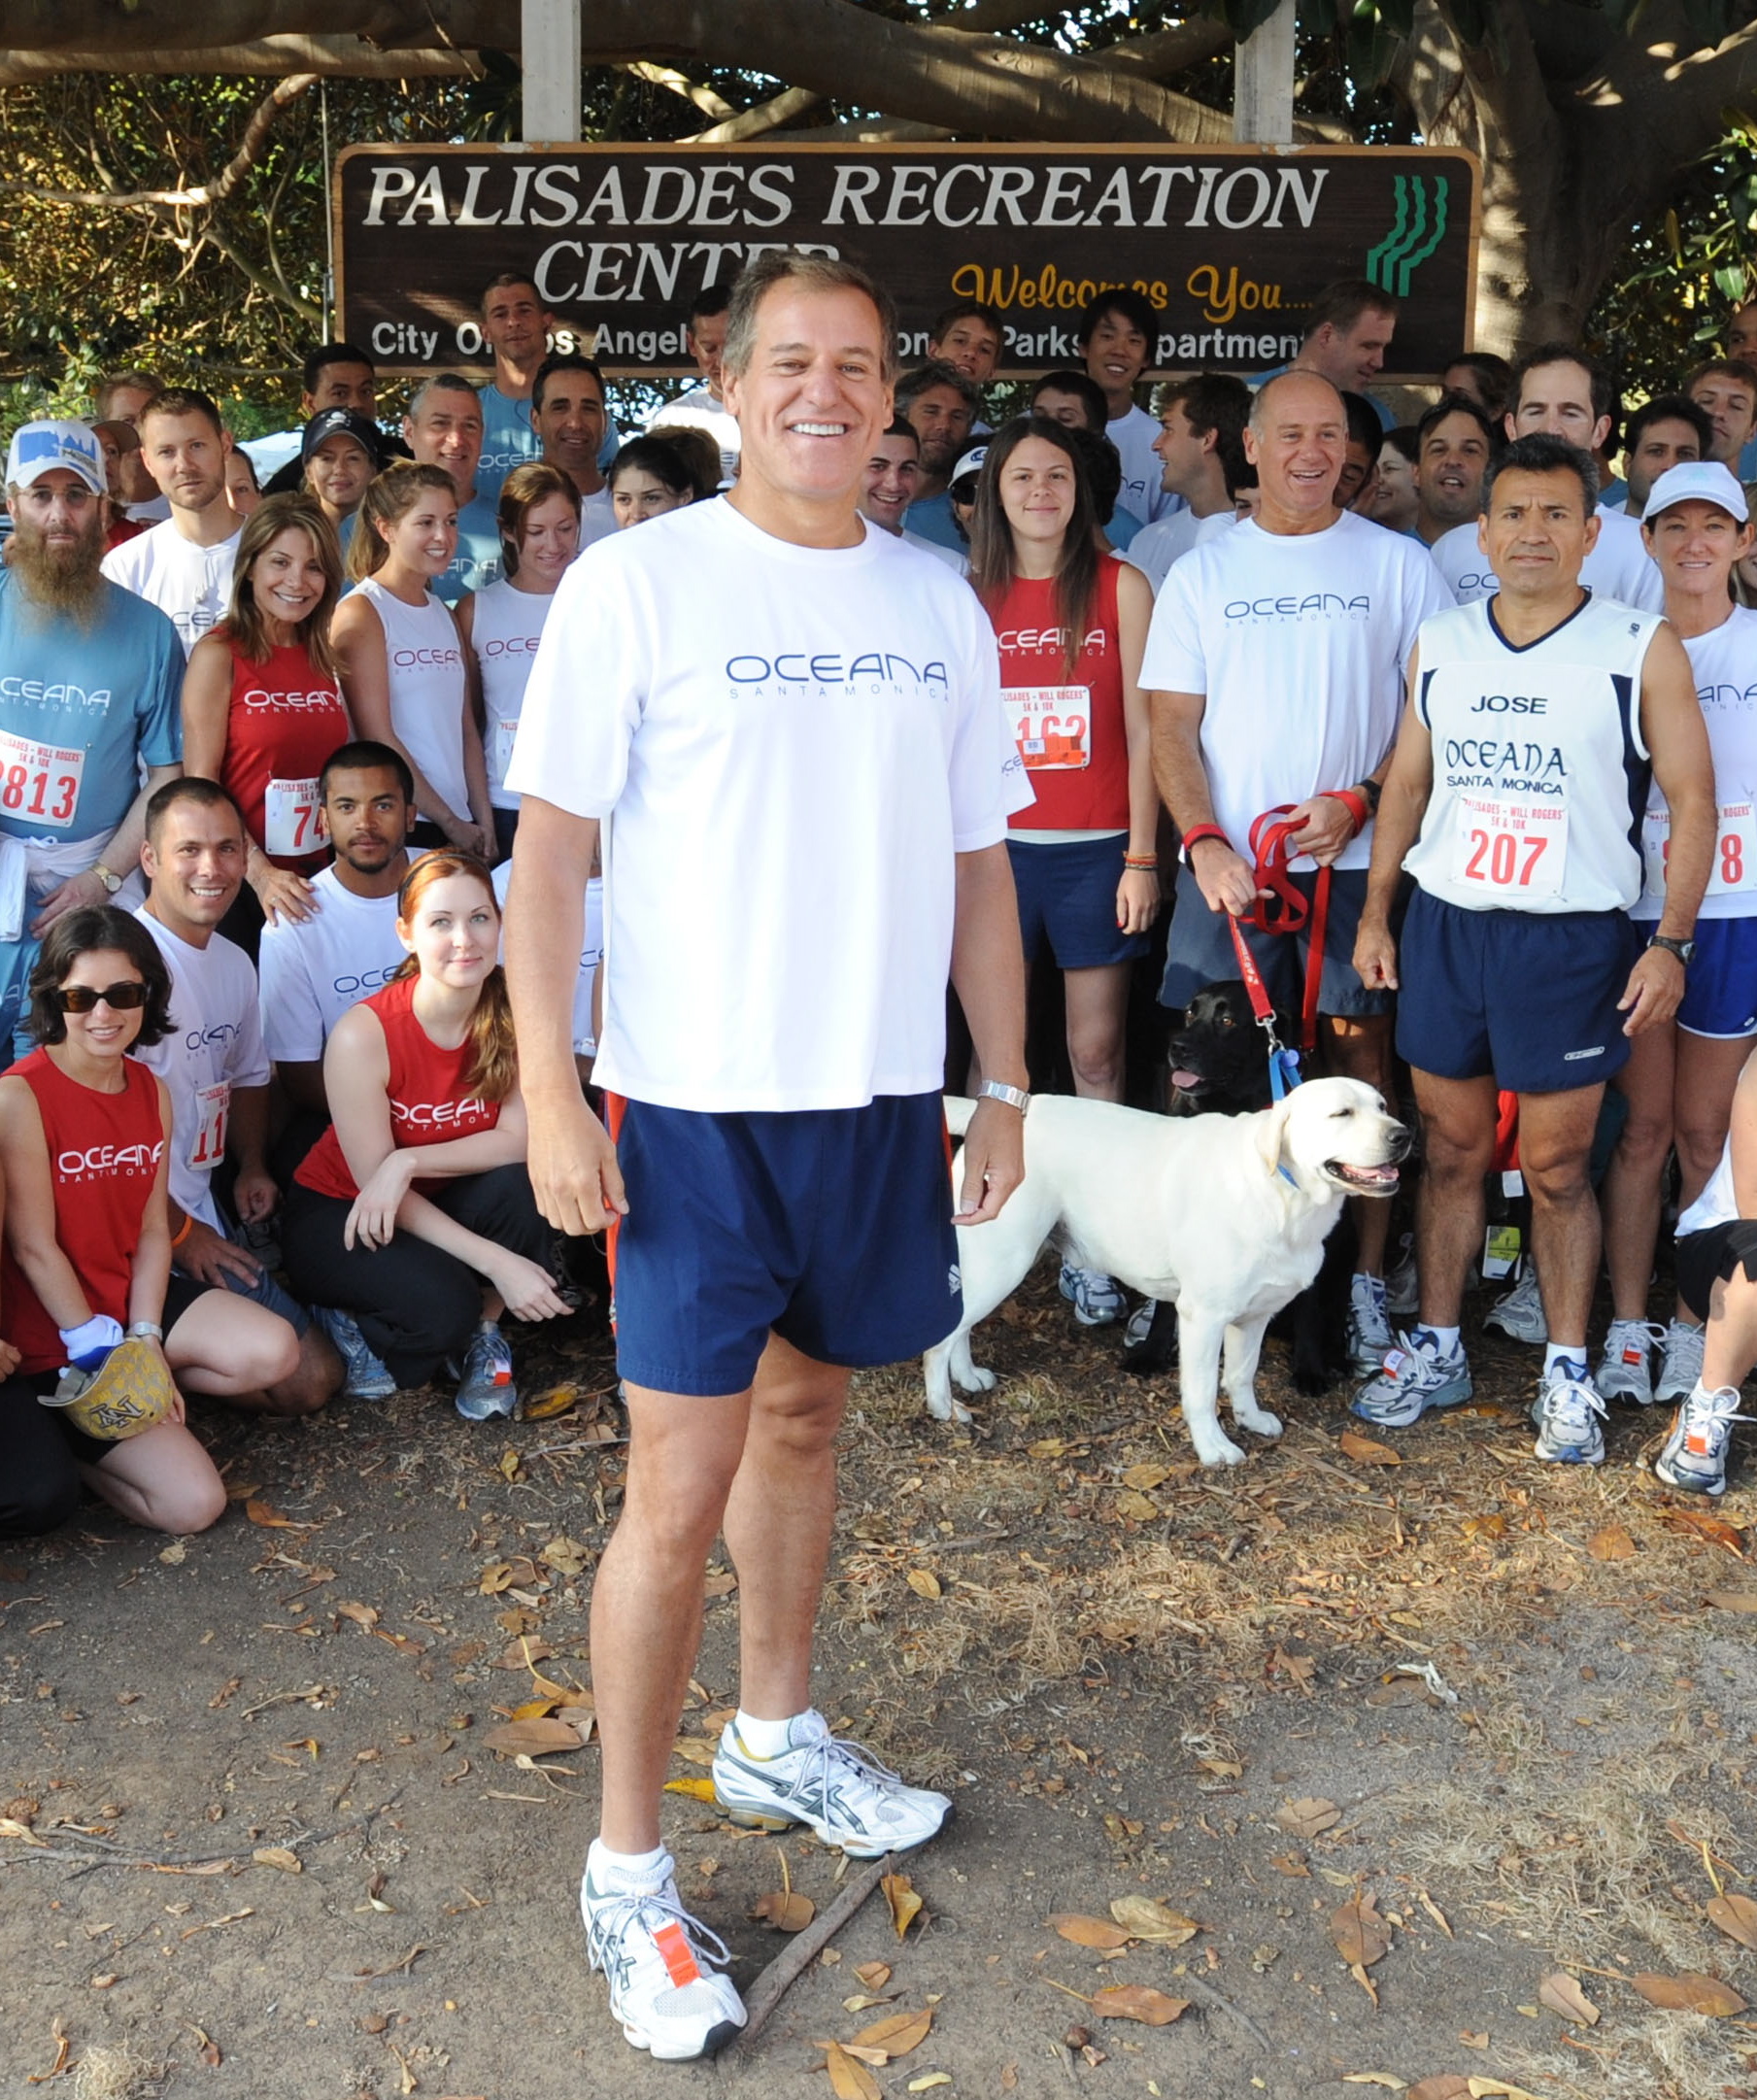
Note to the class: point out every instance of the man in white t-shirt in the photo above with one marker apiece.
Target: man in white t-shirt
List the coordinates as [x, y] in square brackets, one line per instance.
[515, 326]
[568, 414]
[315, 968]
[184, 564]
[217, 1074]
[444, 428]
[1560, 391]
[1116, 338]
[1276, 661]
[1201, 447]
[761, 682]
[1455, 441]
[702, 405]
[1669, 430]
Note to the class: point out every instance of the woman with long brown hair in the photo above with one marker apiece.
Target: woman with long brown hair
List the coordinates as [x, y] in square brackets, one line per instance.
[411, 1227]
[1072, 621]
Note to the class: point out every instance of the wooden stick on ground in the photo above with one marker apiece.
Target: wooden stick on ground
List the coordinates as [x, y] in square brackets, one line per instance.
[802, 1948]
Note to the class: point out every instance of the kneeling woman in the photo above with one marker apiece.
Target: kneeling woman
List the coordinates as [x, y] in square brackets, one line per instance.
[84, 1129]
[411, 1225]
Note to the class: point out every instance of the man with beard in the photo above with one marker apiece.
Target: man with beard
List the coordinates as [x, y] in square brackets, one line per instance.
[89, 682]
[1667, 431]
[183, 566]
[1454, 443]
[941, 404]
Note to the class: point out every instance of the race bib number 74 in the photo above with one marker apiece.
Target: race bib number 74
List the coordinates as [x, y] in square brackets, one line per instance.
[1513, 850]
[39, 782]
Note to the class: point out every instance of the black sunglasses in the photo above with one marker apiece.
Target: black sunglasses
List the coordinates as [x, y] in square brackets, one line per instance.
[121, 998]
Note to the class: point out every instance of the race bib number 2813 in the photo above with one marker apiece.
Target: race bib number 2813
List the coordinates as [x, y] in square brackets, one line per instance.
[39, 782]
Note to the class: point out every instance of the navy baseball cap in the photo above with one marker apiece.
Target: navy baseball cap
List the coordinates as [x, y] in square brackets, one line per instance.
[330, 422]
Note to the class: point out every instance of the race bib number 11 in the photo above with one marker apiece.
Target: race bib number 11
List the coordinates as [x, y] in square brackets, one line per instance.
[1511, 850]
[39, 782]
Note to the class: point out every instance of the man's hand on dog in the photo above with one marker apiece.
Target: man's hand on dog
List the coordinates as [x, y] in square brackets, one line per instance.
[993, 1162]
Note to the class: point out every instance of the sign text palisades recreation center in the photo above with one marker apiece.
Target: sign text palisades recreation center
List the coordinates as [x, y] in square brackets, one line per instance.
[1229, 244]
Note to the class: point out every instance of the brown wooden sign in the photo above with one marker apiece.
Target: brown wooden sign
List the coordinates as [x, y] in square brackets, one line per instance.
[1229, 243]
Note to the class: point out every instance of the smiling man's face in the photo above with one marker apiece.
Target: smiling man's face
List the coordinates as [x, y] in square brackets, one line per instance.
[814, 399]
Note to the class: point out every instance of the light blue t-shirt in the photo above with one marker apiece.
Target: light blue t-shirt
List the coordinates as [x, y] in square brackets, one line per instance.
[507, 440]
[476, 561]
[80, 710]
[932, 518]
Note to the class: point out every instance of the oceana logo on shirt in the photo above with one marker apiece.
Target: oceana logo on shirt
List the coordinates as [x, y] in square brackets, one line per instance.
[410, 660]
[1034, 641]
[291, 703]
[368, 980]
[108, 1162]
[436, 1115]
[826, 668]
[35, 694]
[515, 645]
[1727, 695]
[1490, 761]
[202, 1039]
[1314, 605]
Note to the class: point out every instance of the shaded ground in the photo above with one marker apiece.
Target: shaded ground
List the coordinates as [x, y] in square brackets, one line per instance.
[1125, 1669]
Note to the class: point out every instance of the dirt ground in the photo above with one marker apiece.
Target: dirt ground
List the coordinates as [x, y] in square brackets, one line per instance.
[1493, 1717]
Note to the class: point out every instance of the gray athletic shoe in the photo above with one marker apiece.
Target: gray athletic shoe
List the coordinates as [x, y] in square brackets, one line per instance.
[1519, 1313]
[1681, 1363]
[1369, 1330]
[846, 1796]
[662, 1965]
[485, 1385]
[1695, 1456]
[1567, 1411]
[1413, 1379]
[1626, 1368]
[1097, 1298]
[367, 1377]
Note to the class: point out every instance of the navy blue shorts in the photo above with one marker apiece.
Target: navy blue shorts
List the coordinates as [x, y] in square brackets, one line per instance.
[1530, 996]
[831, 1227]
[1200, 951]
[1720, 987]
[1068, 896]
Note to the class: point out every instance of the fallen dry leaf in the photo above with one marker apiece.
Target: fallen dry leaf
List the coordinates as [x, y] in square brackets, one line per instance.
[566, 1556]
[278, 1855]
[847, 2079]
[1613, 1543]
[875, 1975]
[1484, 1527]
[1359, 1933]
[1493, 2088]
[784, 1910]
[720, 1583]
[534, 1738]
[1365, 1452]
[1734, 1600]
[1135, 2001]
[1690, 1992]
[1473, 2041]
[1562, 1995]
[697, 1750]
[906, 1904]
[265, 1513]
[932, 2078]
[898, 2032]
[1308, 1816]
[1366, 1983]
[1434, 1911]
[1448, 2086]
[1714, 1529]
[1388, 2080]
[1089, 1931]
[924, 1582]
[1143, 1917]
[544, 1407]
[1137, 1507]
[1147, 1475]
[1737, 1917]
[362, 1614]
[696, 1789]
[1291, 1865]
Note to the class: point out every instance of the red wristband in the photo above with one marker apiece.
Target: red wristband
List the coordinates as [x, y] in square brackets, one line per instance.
[1355, 804]
[1194, 835]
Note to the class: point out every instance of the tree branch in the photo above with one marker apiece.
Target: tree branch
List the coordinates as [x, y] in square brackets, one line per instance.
[1165, 51]
[754, 123]
[705, 98]
[331, 57]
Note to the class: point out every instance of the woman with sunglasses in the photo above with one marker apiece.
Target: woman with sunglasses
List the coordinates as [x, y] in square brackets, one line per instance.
[83, 1135]
[1072, 621]
[411, 1227]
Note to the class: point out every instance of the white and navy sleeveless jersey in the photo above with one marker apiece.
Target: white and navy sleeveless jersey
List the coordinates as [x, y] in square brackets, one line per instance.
[1724, 661]
[1539, 771]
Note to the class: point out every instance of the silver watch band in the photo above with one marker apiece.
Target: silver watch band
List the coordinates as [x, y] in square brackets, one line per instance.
[1014, 1097]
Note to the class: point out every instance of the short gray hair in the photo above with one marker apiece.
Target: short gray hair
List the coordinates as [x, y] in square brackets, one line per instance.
[810, 273]
[445, 382]
[936, 372]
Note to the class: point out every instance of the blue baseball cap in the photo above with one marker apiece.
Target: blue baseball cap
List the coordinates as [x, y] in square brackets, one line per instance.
[39, 448]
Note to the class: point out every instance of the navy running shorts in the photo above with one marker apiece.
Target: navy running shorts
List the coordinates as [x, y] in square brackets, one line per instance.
[830, 1226]
[1720, 987]
[1200, 951]
[1528, 996]
[1068, 896]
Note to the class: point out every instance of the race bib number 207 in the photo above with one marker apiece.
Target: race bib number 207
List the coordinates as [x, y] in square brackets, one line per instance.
[1512, 850]
[39, 782]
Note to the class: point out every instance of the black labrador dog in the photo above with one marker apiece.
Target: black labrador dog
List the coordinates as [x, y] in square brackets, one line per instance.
[1218, 1065]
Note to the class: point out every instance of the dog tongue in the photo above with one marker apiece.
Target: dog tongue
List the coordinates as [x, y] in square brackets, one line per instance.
[1184, 1080]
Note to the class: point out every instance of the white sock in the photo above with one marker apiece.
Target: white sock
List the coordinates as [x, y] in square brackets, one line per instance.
[627, 1870]
[1574, 1351]
[1445, 1338]
[764, 1739]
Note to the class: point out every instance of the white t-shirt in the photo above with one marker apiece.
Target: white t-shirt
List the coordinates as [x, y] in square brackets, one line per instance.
[699, 407]
[953, 560]
[789, 744]
[215, 1044]
[1301, 644]
[1156, 546]
[192, 585]
[591, 947]
[1718, 1203]
[506, 626]
[1537, 761]
[314, 969]
[1725, 664]
[1618, 567]
[1144, 495]
[597, 516]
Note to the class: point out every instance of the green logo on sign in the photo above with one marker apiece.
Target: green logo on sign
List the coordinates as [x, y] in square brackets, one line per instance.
[1419, 229]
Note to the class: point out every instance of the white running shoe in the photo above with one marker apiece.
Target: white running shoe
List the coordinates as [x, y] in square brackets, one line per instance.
[1369, 1330]
[1413, 1378]
[1097, 1298]
[1681, 1363]
[1519, 1313]
[1695, 1456]
[657, 1960]
[1567, 1411]
[1626, 1368]
[847, 1797]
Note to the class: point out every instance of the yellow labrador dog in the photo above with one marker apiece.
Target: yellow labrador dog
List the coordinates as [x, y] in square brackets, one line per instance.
[1227, 1215]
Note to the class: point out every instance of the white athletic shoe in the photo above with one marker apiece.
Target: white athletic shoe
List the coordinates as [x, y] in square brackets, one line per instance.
[1413, 1381]
[1519, 1313]
[1681, 1363]
[1626, 1368]
[1567, 1411]
[1369, 1330]
[657, 1960]
[1097, 1298]
[1695, 1456]
[847, 1797]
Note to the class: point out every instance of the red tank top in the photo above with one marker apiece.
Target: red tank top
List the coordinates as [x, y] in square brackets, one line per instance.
[428, 1101]
[285, 719]
[103, 1153]
[1070, 725]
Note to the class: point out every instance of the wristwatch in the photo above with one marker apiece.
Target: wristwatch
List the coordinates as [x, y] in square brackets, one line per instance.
[1684, 950]
[1014, 1097]
[145, 1327]
[113, 883]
